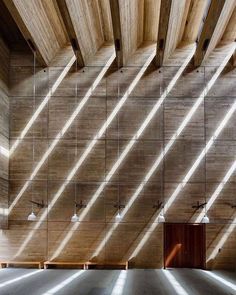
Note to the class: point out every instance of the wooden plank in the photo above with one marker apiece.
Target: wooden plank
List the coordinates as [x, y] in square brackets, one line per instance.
[171, 15]
[217, 19]
[151, 19]
[194, 19]
[229, 35]
[71, 31]
[106, 22]
[86, 20]
[184, 20]
[116, 24]
[127, 21]
[230, 31]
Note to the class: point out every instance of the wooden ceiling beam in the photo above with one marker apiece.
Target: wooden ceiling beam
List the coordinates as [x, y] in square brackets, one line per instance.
[184, 20]
[151, 20]
[214, 26]
[194, 19]
[230, 31]
[70, 31]
[25, 31]
[128, 27]
[117, 32]
[43, 33]
[84, 23]
[171, 16]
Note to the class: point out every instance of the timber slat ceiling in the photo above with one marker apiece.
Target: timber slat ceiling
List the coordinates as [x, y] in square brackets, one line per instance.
[214, 26]
[39, 22]
[128, 24]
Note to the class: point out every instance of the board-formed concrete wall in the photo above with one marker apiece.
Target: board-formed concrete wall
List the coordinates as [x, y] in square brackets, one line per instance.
[26, 240]
[4, 132]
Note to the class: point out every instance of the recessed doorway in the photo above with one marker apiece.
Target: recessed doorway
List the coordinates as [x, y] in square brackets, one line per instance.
[184, 245]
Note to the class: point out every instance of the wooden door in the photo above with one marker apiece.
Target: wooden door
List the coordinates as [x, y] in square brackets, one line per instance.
[184, 245]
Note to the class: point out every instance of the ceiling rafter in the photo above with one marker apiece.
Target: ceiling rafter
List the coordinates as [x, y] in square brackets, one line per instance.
[171, 16]
[216, 21]
[194, 19]
[88, 24]
[70, 31]
[44, 34]
[128, 27]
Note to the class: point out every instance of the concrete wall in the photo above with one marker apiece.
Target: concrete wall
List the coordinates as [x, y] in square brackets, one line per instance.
[39, 242]
[4, 131]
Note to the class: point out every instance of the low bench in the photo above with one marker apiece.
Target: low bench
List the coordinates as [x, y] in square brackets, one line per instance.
[47, 264]
[4, 264]
[107, 265]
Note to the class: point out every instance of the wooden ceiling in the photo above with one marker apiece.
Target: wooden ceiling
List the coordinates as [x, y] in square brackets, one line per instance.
[49, 25]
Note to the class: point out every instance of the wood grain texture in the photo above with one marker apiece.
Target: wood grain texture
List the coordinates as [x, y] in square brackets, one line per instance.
[218, 16]
[194, 19]
[151, 19]
[229, 34]
[88, 26]
[171, 19]
[127, 20]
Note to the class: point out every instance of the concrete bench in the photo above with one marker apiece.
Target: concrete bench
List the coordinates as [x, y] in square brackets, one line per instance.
[47, 264]
[107, 265]
[4, 264]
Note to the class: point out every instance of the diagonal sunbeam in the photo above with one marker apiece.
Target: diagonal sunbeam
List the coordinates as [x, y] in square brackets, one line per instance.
[93, 142]
[118, 288]
[20, 278]
[63, 130]
[217, 191]
[165, 151]
[172, 198]
[42, 105]
[223, 240]
[174, 283]
[123, 155]
[4, 152]
[220, 279]
[64, 283]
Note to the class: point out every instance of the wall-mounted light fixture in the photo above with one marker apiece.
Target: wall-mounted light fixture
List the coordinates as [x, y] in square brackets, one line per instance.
[119, 207]
[78, 206]
[32, 216]
[158, 205]
[199, 205]
[39, 204]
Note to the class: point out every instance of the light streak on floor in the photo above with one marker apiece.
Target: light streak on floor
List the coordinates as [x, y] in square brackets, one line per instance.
[64, 283]
[174, 283]
[20, 278]
[118, 289]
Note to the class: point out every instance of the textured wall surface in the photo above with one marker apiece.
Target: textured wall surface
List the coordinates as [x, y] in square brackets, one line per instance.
[40, 240]
[4, 131]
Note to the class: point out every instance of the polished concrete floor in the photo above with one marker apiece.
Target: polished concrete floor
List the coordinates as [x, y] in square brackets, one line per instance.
[116, 282]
